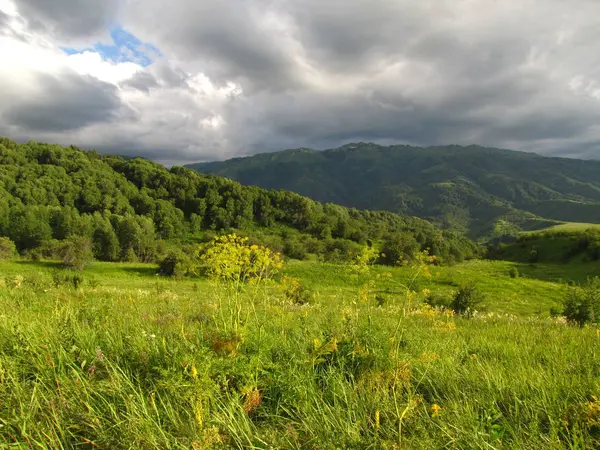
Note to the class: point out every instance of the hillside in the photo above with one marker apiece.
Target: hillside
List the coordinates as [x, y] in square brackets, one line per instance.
[484, 191]
[132, 209]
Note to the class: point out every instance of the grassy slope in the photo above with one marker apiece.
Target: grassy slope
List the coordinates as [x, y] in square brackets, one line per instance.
[540, 287]
[567, 226]
[141, 362]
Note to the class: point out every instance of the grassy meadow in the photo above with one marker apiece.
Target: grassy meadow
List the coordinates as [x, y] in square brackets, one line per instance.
[566, 227]
[119, 357]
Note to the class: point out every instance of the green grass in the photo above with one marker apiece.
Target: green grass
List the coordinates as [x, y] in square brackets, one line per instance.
[131, 360]
[566, 227]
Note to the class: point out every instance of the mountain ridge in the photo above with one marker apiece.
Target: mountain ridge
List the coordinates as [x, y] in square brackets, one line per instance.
[469, 188]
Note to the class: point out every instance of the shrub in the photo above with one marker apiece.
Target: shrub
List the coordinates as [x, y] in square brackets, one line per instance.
[534, 255]
[467, 299]
[62, 277]
[582, 303]
[77, 252]
[293, 248]
[294, 291]
[438, 300]
[398, 248]
[177, 264]
[513, 272]
[230, 258]
[8, 249]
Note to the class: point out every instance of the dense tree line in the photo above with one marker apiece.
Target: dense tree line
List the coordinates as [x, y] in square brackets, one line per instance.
[129, 209]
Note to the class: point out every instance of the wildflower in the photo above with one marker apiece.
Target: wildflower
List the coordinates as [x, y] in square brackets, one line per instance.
[428, 356]
[377, 420]
[252, 399]
[435, 410]
[426, 292]
[473, 356]
[194, 372]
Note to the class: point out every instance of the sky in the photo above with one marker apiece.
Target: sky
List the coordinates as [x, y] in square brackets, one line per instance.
[198, 80]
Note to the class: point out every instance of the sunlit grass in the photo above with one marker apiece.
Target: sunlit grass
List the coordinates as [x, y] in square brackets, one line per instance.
[131, 360]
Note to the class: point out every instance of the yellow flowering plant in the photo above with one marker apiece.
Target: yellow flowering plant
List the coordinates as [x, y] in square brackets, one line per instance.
[230, 258]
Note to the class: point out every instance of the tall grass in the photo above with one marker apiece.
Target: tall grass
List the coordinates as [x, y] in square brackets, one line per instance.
[165, 366]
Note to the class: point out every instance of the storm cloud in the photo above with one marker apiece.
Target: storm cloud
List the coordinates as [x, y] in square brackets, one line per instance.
[246, 76]
[64, 103]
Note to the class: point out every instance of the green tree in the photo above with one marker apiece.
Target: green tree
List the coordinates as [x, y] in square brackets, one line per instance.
[77, 252]
[8, 249]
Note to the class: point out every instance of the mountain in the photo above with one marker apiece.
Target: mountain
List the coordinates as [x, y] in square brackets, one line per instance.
[129, 209]
[482, 191]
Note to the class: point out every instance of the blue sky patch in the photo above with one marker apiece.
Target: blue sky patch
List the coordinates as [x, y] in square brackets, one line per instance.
[124, 48]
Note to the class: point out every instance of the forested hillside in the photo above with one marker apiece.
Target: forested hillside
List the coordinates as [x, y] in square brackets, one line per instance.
[131, 209]
[482, 191]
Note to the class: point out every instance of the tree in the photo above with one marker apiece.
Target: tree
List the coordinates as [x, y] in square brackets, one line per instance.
[8, 249]
[467, 299]
[77, 252]
[582, 303]
[105, 242]
[397, 248]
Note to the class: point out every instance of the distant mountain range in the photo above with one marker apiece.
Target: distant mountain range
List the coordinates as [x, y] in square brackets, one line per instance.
[478, 190]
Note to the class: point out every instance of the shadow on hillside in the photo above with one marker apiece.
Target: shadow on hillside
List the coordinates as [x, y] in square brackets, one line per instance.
[559, 273]
[141, 271]
[41, 264]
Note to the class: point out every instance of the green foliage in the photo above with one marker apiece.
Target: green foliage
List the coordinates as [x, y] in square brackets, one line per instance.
[582, 303]
[559, 245]
[438, 300]
[485, 191]
[62, 278]
[177, 264]
[513, 272]
[398, 248]
[76, 252]
[8, 249]
[467, 299]
[125, 206]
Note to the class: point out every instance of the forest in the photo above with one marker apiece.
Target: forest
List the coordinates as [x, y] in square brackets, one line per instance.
[138, 210]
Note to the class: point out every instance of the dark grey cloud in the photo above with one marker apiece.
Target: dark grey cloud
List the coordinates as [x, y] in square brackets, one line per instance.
[142, 81]
[64, 103]
[226, 40]
[68, 19]
[245, 76]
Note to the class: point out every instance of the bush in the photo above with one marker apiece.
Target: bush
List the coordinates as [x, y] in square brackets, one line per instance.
[534, 255]
[8, 249]
[230, 258]
[176, 264]
[438, 300]
[293, 248]
[62, 277]
[77, 252]
[398, 248]
[467, 299]
[513, 272]
[294, 291]
[582, 303]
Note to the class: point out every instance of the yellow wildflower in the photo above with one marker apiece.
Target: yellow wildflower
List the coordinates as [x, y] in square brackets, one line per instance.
[435, 410]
